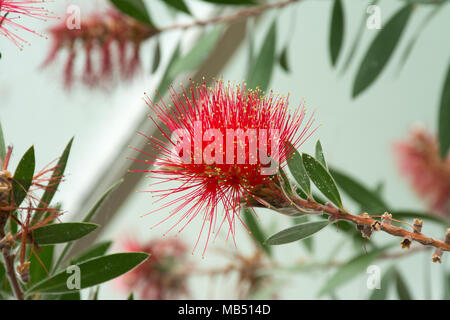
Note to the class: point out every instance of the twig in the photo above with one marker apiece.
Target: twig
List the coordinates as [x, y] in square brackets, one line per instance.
[367, 222]
[246, 13]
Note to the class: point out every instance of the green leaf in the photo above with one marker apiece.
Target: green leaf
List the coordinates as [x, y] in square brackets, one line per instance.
[37, 271]
[261, 73]
[23, 176]
[156, 56]
[319, 154]
[322, 179]
[358, 37]
[87, 218]
[444, 118]
[336, 31]
[386, 280]
[308, 242]
[232, 2]
[350, 270]
[62, 232]
[369, 200]
[95, 251]
[180, 5]
[298, 232]
[283, 60]
[197, 54]
[92, 272]
[255, 230]
[131, 296]
[135, 9]
[381, 50]
[70, 296]
[56, 176]
[298, 171]
[2, 144]
[426, 20]
[402, 289]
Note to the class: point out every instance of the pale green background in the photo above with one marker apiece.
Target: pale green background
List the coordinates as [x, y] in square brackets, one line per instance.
[357, 135]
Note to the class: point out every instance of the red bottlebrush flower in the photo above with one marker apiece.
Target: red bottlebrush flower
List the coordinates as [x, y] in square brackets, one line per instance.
[218, 172]
[429, 175]
[11, 11]
[160, 277]
[109, 35]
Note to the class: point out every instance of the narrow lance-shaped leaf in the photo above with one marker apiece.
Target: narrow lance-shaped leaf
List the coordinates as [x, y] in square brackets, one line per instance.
[298, 232]
[358, 37]
[93, 252]
[166, 79]
[135, 9]
[255, 230]
[322, 179]
[367, 199]
[336, 31]
[402, 289]
[298, 171]
[319, 154]
[156, 56]
[444, 117]
[39, 271]
[351, 269]
[180, 5]
[56, 176]
[23, 176]
[381, 49]
[382, 292]
[92, 272]
[62, 232]
[87, 218]
[197, 54]
[283, 59]
[261, 72]
[2, 144]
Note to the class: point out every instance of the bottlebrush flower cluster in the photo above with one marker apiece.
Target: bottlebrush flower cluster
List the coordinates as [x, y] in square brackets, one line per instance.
[108, 37]
[11, 13]
[163, 275]
[252, 133]
[429, 175]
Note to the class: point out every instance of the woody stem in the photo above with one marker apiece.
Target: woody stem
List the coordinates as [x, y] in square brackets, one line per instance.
[339, 214]
[8, 259]
[242, 14]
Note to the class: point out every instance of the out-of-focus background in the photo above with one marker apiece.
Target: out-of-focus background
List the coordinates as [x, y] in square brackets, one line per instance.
[357, 134]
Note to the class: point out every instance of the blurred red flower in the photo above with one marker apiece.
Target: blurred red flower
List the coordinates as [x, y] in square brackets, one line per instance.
[429, 175]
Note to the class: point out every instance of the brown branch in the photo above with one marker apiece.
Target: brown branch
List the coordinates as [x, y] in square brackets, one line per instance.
[371, 224]
[245, 13]
[8, 257]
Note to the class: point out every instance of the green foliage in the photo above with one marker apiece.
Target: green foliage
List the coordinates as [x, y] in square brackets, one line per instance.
[298, 171]
[401, 287]
[444, 118]
[381, 49]
[92, 272]
[62, 232]
[44, 256]
[336, 31]
[369, 200]
[23, 176]
[56, 176]
[180, 5]
[2, 144]
[319, 154]
[261, 71]
[255, 230]
[156, 56]
[386, 280]
[283, 59]
[197, 54]
[95, 251]
[298, 232]
[135, 9]
[350, 270]
[322, 179]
